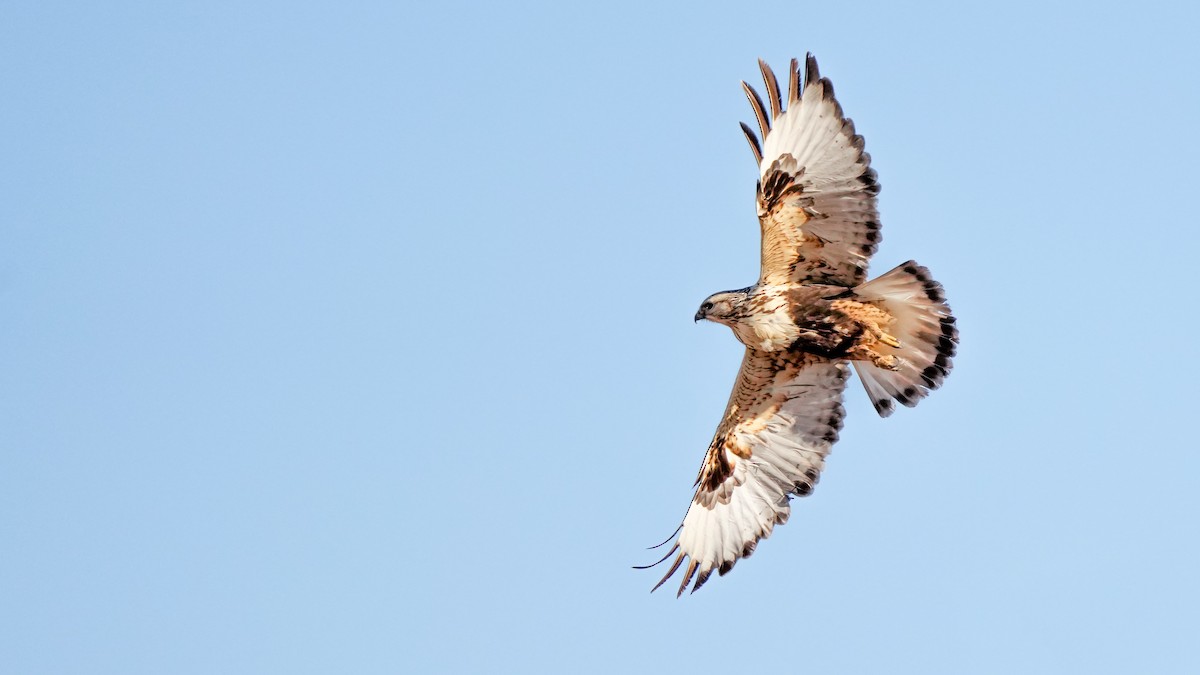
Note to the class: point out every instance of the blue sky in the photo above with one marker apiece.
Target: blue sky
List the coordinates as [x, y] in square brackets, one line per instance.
[359, 339]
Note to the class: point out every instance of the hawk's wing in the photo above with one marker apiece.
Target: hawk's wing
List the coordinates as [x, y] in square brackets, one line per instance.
[782, 418]
[816, 190]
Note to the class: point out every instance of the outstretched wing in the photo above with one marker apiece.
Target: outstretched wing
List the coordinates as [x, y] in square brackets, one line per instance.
[783, 416]
[817, 190]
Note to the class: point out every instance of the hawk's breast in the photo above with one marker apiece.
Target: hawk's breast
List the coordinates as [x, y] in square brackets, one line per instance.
[769, 325]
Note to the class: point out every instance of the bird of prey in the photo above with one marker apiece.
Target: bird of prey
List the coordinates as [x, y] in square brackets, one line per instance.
[811, 314]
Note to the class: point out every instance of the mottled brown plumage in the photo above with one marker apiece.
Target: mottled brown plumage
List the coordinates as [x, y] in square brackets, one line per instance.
[809, 315]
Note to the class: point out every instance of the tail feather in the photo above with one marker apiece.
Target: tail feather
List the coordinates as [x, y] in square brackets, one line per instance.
[926, 331]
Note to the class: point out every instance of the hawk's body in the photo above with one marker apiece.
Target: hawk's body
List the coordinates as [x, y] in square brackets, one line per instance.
[818, 318]
[811, 313]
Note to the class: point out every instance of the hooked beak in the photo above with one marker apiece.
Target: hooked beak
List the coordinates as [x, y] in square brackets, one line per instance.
[699, 315]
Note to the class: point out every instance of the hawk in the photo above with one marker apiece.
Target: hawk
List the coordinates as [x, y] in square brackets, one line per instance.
[811, 315]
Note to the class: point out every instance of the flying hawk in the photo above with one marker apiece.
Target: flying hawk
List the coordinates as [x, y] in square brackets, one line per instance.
[810, 314]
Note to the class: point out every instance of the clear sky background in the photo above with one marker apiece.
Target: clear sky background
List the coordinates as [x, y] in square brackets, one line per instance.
[357, 338]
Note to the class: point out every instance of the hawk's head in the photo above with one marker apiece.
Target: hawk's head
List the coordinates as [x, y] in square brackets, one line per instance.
[724, 307]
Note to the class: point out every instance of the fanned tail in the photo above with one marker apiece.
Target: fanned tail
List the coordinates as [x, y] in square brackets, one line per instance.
[926, 331]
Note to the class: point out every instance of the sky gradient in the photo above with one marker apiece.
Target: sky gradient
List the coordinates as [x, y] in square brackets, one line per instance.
[359, 339]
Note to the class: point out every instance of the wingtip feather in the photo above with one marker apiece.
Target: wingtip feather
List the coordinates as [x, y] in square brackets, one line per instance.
[759, 111]
[794, 82]
[687, 577]
[812, 74]
[674, 566]
[772, 85]
[752, 139]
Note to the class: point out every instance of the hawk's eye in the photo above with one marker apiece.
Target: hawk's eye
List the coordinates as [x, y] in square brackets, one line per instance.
[706, 306]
